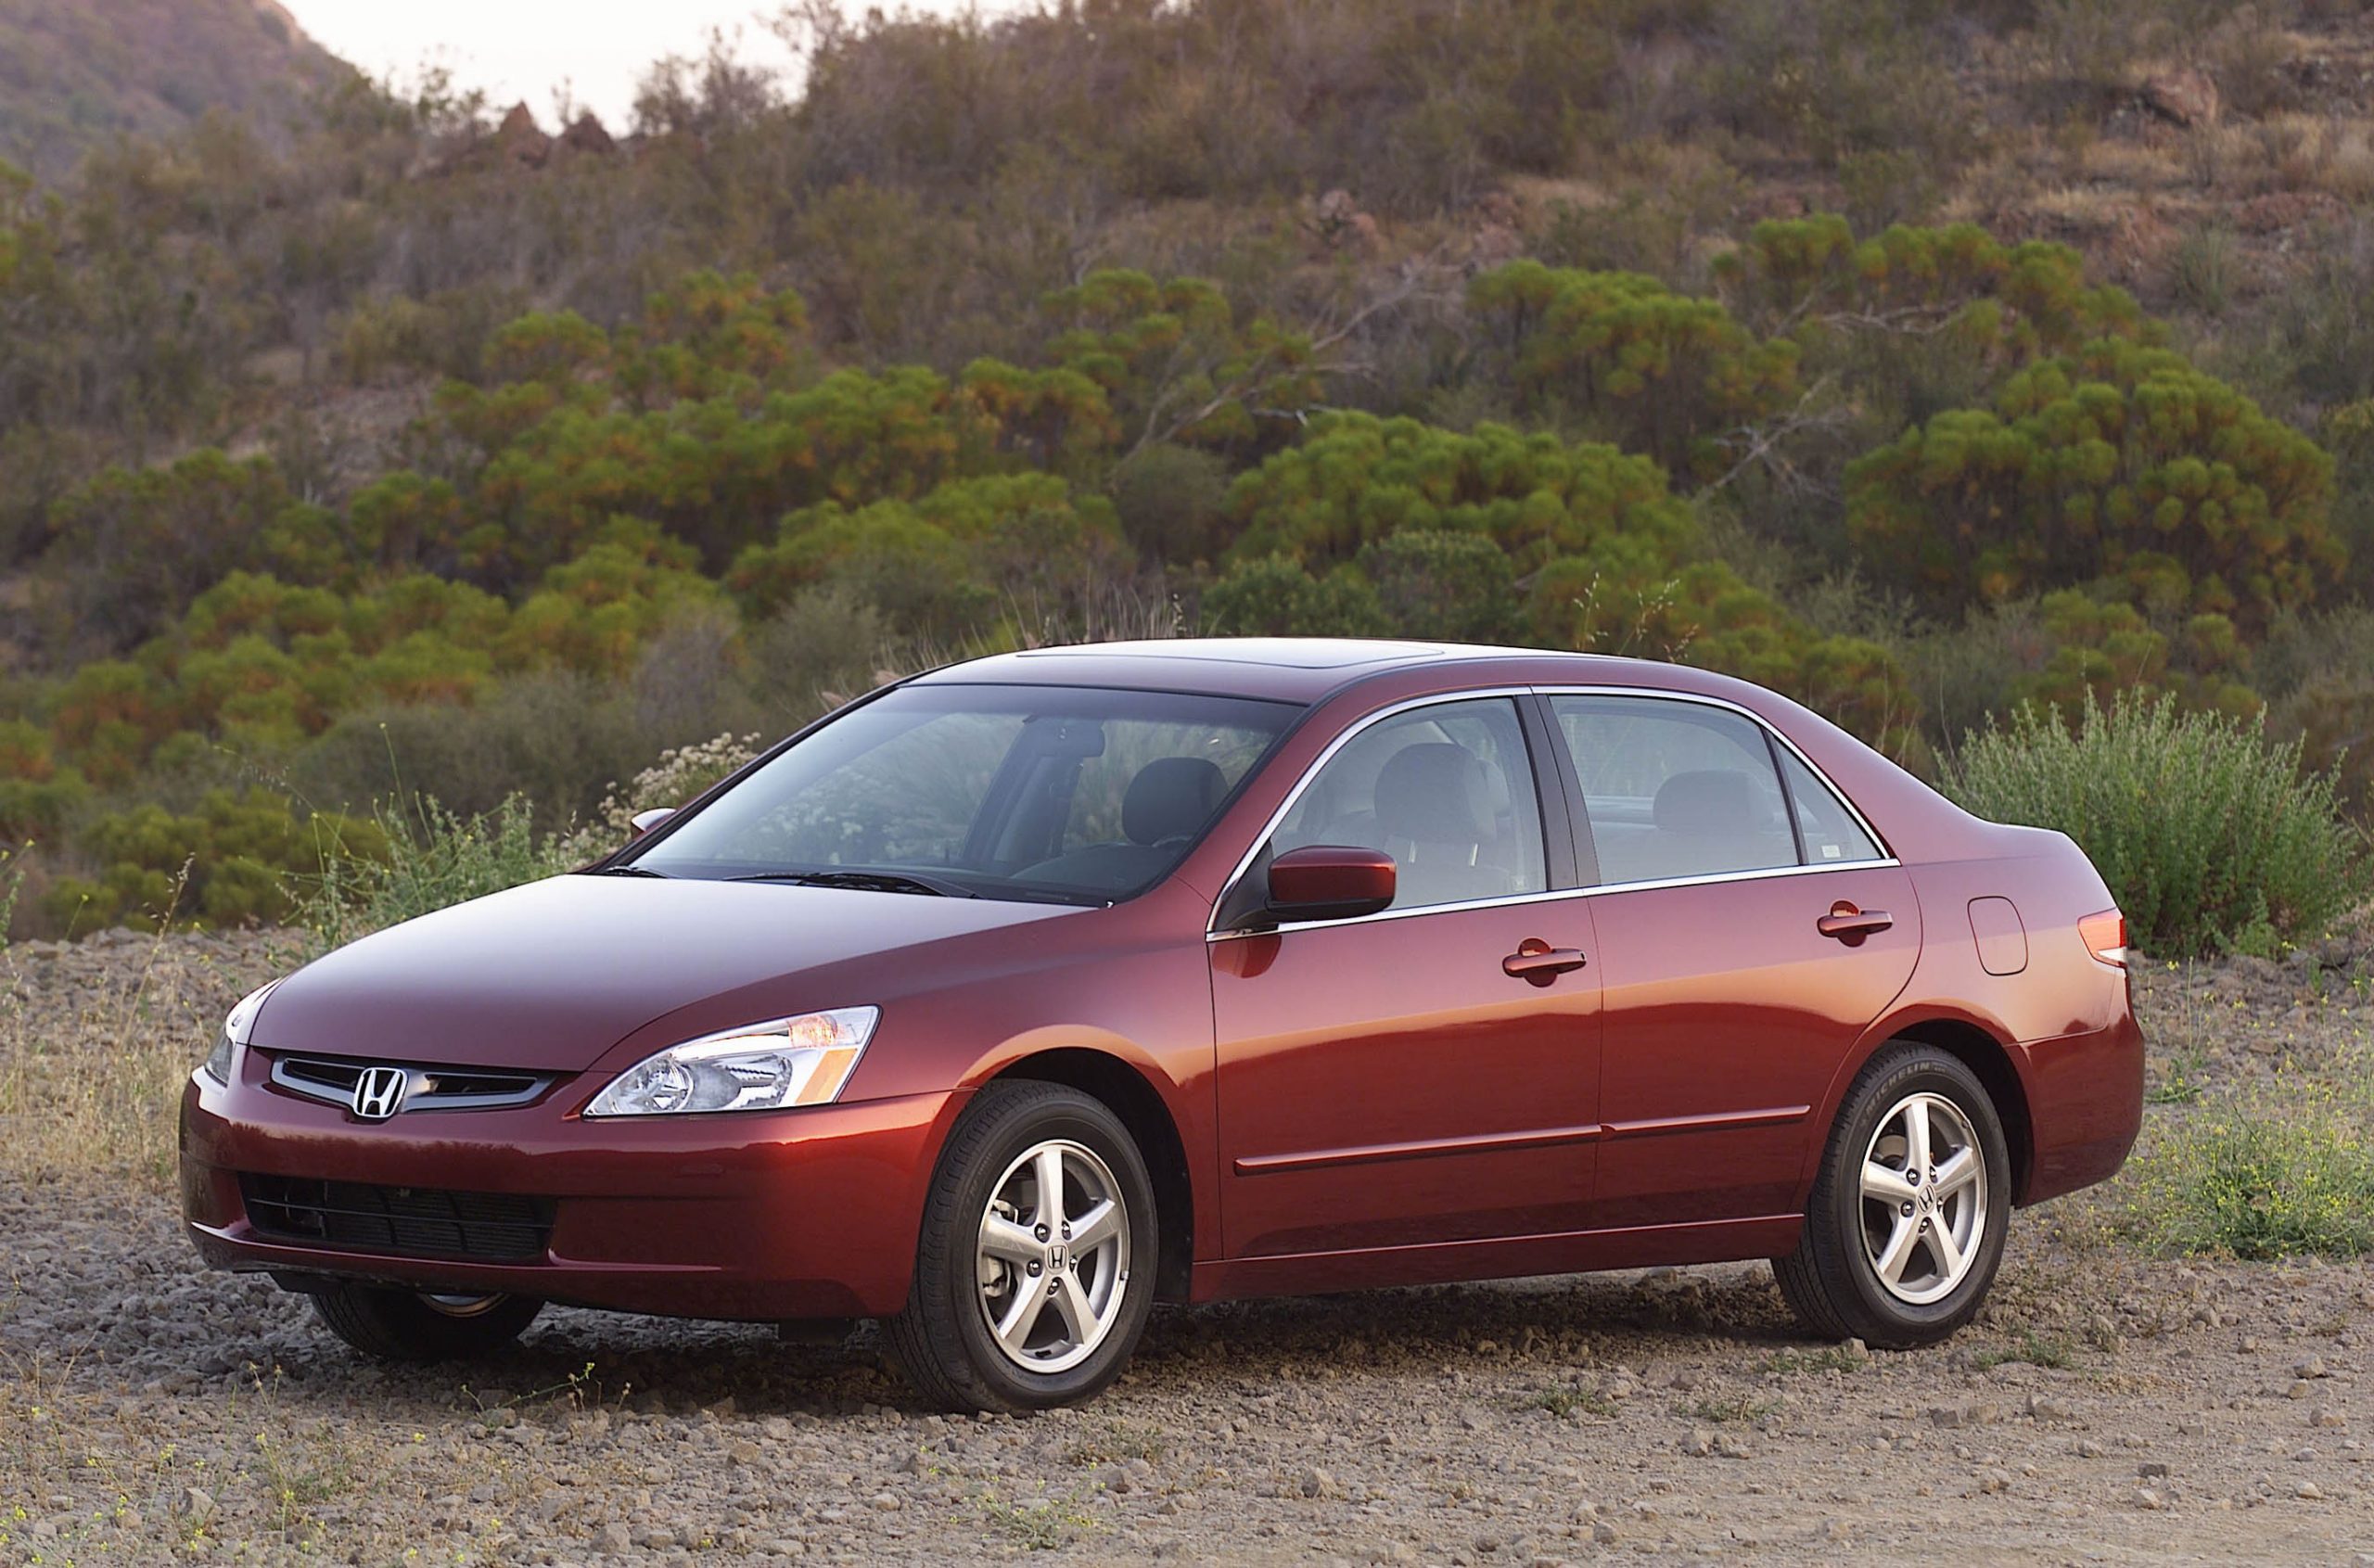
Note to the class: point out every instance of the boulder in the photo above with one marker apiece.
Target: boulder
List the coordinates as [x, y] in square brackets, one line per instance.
[586, 134]
[519, 140]
[2187, 96]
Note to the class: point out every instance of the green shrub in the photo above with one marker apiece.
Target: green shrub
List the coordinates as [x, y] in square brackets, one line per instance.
[240, 859]
[2210, 836]
[1169, 500]
[1435, 583]
[436, 859]
[2117, 461]
[555, 738]
[1273, 596]
[1658, 372]
[2259, 1185]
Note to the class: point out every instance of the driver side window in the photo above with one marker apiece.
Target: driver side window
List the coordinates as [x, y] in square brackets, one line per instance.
[1445, 790]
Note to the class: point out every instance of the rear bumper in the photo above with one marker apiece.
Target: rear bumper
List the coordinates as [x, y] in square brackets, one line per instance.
[805, 1214]
[2085, 1105]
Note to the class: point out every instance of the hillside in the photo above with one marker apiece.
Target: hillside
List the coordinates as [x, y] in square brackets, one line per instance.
[76, 73]
[1921, 365]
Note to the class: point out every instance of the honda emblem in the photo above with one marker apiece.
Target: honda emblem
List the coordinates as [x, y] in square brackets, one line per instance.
[379, 1093]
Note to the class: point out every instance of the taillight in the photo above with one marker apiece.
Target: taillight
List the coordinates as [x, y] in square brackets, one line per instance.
[2105, 936]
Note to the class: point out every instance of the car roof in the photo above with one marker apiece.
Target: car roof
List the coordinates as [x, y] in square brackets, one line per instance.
[1297, 670]
[1918, 822]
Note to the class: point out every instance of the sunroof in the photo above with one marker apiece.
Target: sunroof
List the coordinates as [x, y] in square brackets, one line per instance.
[1288, 652]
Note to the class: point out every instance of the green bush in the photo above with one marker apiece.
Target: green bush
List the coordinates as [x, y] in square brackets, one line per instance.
[2259, 1185]
[1657, 372]
[2211, 837]
[436, 859]
[240, 859]
[1273, 596]
[2118, 461]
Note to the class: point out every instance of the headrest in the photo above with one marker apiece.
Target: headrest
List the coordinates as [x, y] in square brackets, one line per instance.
[1171, 797]
[1714, 800]
[1436, 793]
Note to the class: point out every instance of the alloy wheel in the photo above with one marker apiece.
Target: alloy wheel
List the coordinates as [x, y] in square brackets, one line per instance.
[1924, 1199]
[453, 1306]
[1054, 1256]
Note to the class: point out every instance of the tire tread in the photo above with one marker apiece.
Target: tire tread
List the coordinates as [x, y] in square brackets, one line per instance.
[925, 1342]
[1816, 1278]
[392, 1325]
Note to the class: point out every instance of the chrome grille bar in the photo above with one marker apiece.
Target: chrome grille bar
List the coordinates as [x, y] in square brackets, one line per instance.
[331, 1080]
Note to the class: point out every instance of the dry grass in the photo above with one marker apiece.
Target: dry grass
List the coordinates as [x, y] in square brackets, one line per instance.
[2139, 166]
[2312, 154]
[93, 1054]
[2083, 212]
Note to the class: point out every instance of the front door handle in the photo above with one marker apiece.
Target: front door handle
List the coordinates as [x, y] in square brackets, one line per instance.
[1537, 963]
[1850, 924]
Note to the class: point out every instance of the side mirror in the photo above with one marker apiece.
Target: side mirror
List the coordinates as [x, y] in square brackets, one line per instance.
[1330, 882]
[643, 822]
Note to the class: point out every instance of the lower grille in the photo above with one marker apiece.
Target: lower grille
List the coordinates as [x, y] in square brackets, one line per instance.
[403, 1221]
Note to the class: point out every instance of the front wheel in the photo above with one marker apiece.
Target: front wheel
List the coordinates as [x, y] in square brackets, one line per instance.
[400, 1325]
[1906, 1226]
[1035, 1270]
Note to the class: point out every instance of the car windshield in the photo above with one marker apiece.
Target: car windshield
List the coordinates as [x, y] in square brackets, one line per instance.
[1071, 794]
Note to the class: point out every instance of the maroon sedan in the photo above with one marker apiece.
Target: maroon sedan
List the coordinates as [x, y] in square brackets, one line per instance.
[1019, 995]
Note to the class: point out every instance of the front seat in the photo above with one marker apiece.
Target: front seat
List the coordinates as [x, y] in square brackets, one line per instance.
[1167, 804]
[1435, 803]
[1171, 797]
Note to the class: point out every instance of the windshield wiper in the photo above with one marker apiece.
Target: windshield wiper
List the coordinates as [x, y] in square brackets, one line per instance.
[865, 881]
[632, 871]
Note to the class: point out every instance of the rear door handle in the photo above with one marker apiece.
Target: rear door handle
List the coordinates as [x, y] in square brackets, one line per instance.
[1850, 924]
[1538, 963]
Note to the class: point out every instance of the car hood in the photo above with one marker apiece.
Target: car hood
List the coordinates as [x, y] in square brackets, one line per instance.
[551, 975]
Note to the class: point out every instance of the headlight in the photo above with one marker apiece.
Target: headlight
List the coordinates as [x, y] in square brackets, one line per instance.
[775, 1067]
[238, 1026]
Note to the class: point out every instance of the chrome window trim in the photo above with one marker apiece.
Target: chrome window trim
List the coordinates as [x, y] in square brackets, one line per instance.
[1294, 795]
[1597, 890]
[1757, 720]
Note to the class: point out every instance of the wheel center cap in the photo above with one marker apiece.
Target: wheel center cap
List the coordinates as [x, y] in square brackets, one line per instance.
[1059, 1258]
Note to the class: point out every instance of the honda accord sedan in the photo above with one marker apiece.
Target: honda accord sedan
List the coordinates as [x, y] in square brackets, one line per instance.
[1018, 996]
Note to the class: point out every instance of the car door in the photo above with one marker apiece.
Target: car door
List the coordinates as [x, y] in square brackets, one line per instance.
[1751, 927]
[1387, 1081]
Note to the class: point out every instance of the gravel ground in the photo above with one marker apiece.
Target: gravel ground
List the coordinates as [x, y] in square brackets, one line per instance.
[2107, 1408]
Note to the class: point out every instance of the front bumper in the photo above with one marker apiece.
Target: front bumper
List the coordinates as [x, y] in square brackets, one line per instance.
[761, 1216]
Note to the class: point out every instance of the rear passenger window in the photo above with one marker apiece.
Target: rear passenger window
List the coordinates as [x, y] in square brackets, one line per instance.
[1445, 790]
[1674, 789]
[1832, 835]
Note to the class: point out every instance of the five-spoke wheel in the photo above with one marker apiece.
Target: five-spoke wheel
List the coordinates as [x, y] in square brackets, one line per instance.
[1054, 1257]
[1925, 1198]
[1906, 1224]
[1034, 1272]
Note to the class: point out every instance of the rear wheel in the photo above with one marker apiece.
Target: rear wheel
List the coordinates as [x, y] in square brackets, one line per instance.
[400, 1325]
[1906, 1226]
[1035, 1270]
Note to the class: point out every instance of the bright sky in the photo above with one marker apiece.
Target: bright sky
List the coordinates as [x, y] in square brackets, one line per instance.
[526, 49]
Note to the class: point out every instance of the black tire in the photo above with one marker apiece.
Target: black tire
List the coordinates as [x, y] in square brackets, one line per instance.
[1831, 1281]
[400, 1325]
[941, 1342]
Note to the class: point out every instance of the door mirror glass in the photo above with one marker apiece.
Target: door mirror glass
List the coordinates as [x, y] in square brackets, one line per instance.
[643, 822]
[1330, 882]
